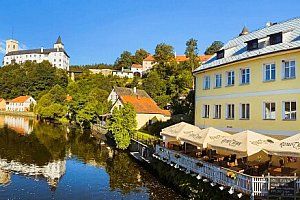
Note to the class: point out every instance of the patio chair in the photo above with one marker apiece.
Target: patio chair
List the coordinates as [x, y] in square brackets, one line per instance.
[232, 158]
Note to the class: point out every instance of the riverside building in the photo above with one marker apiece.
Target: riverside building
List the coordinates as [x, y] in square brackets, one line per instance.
[253, 82]
[57, 55]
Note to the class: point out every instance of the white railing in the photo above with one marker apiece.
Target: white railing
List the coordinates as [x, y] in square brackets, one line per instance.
[252, 185]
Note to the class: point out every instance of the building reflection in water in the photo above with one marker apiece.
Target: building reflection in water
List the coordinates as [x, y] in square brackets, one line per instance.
[21, 125]
[52, 172]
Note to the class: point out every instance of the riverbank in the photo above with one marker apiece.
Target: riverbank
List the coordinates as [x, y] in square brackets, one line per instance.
[21, 114]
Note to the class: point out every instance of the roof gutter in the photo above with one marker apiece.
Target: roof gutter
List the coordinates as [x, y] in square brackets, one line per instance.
[202, 70]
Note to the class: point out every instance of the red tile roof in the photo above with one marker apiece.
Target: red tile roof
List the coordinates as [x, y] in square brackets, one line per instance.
[2, 99]
[20, 99]
[136, 66]
[140, 100]
[202, 58]
[149, 58]
[142, 104]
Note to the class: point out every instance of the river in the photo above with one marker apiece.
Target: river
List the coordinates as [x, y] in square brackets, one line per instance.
[47, 161]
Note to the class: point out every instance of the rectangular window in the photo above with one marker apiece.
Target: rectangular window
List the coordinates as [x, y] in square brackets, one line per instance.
[205, 112]
[269, 72]
[220, 54]
[245, 111]
[269, 110]
[276, 38]
[217, 112]
[218, 80]
[230, 111]
[230, 78]
[245, 76]
[252, 44]
[289, 69]
[290, 110]
[206, 82]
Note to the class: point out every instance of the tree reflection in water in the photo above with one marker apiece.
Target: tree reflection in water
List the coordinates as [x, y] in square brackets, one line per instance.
[45, 152]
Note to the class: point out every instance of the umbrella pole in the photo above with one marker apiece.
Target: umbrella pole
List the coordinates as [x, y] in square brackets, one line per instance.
[185, 147]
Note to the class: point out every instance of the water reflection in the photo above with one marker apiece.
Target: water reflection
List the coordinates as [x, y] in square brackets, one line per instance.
[21, 125]
[71, 163]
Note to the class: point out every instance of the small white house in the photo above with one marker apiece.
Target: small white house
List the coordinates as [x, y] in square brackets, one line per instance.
[123, 73]
[20, 104]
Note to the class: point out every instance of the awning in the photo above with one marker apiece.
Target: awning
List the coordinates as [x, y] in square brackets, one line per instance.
[243, 144]
[287, 147]
[179, 129]
[202, 137]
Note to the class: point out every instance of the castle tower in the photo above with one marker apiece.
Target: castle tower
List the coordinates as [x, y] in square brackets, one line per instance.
[58, 44]
[12, 45]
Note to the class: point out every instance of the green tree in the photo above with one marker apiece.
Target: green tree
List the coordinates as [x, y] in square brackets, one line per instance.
[124, 61]
[214, 47]
[164, 53]
[191, 52]
[123, 125]
[139, 56]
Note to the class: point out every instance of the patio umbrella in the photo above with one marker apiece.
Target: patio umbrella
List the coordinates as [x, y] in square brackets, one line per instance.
[287, 147]
[200, 138]
[243, 144]
[176, 130]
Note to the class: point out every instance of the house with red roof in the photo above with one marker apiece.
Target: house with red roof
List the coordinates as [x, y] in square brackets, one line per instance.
[149, 61]
[20, 104]
[2, 104]
[147, 111]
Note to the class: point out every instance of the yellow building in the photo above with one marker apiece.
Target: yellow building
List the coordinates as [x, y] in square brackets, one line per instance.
[253, 82]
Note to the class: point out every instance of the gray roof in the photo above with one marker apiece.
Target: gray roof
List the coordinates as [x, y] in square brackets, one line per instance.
[123, 91]
[236, 49]
[35, 51]
[58, 41]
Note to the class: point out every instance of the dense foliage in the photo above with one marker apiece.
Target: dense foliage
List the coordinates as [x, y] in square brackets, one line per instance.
[123, 125]
[126, 59]
[80, 68]
[30, 79]
[214, 47]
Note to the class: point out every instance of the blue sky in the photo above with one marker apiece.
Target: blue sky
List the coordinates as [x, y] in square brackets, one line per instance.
[96, 31]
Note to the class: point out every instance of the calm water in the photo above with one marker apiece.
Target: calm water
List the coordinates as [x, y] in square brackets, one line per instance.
[43, 161]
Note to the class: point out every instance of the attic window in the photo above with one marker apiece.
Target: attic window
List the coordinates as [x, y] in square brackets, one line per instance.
[276, 38]
[252, 44]
[220, 54]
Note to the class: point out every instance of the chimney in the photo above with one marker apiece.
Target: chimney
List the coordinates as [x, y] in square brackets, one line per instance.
[134, 90]
[268, 24]
[42, 49]
[122, 69]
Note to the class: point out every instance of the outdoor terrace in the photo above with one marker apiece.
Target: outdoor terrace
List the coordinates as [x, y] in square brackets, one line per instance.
[251, 182]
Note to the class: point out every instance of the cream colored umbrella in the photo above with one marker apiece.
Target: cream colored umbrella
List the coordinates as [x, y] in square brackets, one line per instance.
[243, 144]
[178, 129]
[200, 138]
[287, 147]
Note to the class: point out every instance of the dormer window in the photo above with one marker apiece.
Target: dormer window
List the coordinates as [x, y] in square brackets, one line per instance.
[220, 54]
[252, 44]
[276, 38]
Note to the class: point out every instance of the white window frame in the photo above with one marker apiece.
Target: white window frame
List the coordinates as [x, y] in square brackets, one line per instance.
[265, 116]
[270, 65]
[284, 67]
[230, 78]
[205, 111]
[244, 117]
[230, 111]
[290, 115]
[218, 79]
[206, 82]
[217, 111]
[246, 73]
